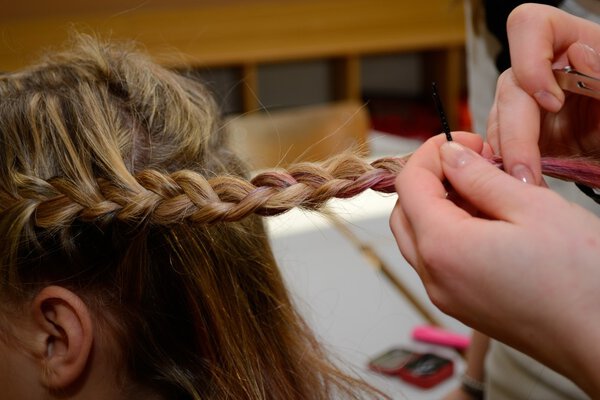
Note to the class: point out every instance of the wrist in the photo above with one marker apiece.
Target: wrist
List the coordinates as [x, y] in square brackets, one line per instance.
[473, 387]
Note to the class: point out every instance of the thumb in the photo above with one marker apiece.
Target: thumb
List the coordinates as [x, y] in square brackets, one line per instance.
[486, 187]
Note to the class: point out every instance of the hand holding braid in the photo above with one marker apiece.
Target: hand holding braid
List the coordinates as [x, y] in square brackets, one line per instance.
[187, 195]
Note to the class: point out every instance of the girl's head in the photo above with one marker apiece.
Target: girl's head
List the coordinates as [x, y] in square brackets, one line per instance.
[100, 283]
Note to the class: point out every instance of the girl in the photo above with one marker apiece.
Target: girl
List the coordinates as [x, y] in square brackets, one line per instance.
[117, 279]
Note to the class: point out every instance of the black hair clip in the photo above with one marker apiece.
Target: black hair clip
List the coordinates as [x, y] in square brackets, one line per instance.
[440, 109]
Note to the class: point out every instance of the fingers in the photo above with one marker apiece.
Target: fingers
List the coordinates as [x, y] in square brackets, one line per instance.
[487, 151]
[422, 179]
[422, 195]
[533, 47]
[490, 190]
[492, 127]
[403, 234]
[437, 236]
[540, 37]
[514, 129]
[455, 254]
[584, 58]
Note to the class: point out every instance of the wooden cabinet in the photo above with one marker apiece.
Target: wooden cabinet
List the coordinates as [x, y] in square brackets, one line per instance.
[247, 33]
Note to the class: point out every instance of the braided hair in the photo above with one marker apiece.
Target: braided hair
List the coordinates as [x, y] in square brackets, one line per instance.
[115, 183]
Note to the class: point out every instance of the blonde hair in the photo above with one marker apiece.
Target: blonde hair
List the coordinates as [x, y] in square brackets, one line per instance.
[113, 182]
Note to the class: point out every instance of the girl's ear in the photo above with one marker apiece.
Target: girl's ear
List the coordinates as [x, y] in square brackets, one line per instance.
[64, 336]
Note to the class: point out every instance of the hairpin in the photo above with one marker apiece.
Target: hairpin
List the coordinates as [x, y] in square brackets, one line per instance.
[440, 109]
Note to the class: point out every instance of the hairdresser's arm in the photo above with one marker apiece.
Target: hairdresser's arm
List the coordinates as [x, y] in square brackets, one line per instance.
[523, 122]
[475, 358]
[526, 274]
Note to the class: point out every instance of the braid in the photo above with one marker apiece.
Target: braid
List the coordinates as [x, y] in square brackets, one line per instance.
[166, 199]
[169, 198]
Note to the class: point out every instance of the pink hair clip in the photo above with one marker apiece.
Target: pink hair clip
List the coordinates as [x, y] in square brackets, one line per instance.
[442, 337]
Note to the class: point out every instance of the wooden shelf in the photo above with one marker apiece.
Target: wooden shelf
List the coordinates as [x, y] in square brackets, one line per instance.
[232, 33]
[245, 34]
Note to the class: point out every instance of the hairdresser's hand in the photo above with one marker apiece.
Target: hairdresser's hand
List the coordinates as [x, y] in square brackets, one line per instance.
[530, 109]
[526, 273]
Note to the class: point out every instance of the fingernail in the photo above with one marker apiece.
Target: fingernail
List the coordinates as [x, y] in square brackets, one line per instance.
[548, 100]
[456, 155]
[522, 173]
[592, 59]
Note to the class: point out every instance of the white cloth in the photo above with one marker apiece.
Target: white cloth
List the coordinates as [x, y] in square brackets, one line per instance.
[512, 375]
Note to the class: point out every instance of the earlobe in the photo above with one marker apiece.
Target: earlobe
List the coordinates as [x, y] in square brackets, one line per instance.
[65, 333]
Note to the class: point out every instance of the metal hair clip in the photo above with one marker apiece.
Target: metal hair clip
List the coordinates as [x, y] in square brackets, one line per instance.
[570, 79]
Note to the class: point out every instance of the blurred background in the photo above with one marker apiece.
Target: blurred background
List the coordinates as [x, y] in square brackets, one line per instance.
[303, 80]
[378, 58]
